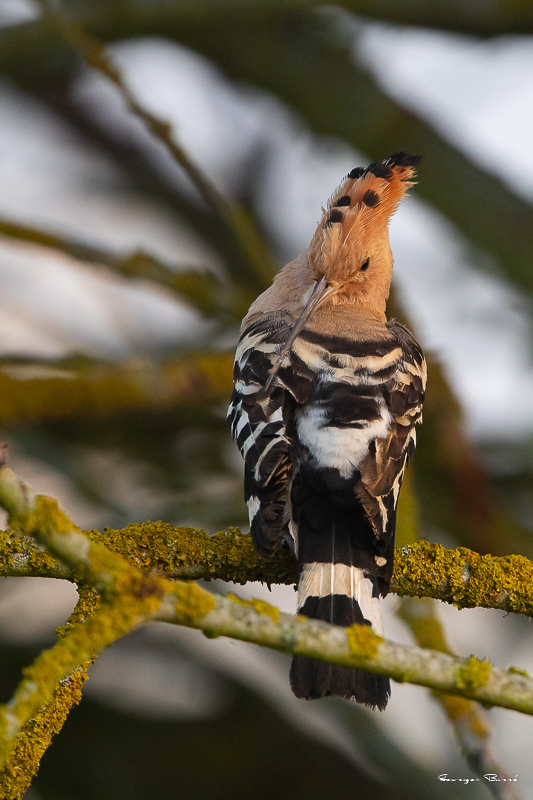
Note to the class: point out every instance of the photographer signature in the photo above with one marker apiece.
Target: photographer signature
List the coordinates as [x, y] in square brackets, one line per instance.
[489, 776]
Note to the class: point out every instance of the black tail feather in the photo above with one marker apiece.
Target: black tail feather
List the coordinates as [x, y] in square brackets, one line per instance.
[312, 679]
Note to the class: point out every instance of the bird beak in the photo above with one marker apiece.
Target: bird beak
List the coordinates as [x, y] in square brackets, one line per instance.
[321, 292]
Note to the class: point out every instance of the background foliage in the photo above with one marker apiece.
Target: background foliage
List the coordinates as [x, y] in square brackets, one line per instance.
[130, 423]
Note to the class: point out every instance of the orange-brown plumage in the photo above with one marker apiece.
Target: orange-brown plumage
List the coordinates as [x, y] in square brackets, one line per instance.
[353, 232]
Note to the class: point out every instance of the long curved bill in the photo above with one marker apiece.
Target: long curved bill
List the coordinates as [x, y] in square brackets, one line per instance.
[320, 293]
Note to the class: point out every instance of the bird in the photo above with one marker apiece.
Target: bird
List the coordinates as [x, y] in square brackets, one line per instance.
[327, 394]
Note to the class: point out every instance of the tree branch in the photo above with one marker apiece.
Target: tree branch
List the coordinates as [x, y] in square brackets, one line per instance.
[131, 597]
[186, 603]
[203, 290]
[70, 388]
[468, 719]
[459, 577]
[237, 222]
[33, 739]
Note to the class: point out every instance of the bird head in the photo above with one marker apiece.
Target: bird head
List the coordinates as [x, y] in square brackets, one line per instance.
[349, 258]
[350, 253]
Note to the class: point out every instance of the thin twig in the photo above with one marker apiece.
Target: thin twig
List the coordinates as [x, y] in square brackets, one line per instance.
[237, 222]
[202, 289]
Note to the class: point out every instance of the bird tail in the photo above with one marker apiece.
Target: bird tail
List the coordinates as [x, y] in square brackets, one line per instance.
[337, 585]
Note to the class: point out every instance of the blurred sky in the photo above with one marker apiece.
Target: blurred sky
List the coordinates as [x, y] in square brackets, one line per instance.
[480, 96]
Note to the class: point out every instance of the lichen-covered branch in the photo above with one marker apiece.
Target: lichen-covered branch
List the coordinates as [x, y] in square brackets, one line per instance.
[33, 739]
[131, 597]
[460, 577]
[464, 578]
[188, 604]
[356, 646]
[79, 647]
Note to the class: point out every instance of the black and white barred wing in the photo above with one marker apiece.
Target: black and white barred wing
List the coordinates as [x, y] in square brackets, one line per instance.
[258, 421]
[383, 467]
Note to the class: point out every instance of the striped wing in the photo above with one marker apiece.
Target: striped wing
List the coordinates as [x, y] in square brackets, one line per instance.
[383, 467]
[258, 420]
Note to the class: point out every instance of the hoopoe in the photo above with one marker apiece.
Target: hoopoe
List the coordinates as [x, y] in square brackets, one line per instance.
[327, 395]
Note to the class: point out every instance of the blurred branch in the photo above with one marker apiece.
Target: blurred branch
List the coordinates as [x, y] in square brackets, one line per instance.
[237, 222]
[135, 161]
[203, 290]
[491, 19]
[308, 62]
[70, 388]
[305, 60]
[469, 721]
[455, 493]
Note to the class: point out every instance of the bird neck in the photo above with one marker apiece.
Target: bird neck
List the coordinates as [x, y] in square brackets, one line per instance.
[366, 298]
[347, 319]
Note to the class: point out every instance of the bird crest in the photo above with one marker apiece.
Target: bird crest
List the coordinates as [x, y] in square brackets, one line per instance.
[357, 213]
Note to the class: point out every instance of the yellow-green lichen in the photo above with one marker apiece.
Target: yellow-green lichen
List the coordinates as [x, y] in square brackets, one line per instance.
[140, 598]
[260, 606]
[362, 641]
[191, 553]
[43, 520]
[21, 556]
[36, 736]
[464, 714]
[472, 674]
[464, 578]
[518, 671]
[420, 615]
[87, 605]
[193, 603]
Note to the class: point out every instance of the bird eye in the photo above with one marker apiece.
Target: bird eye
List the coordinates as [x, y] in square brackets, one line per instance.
[365, 265]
